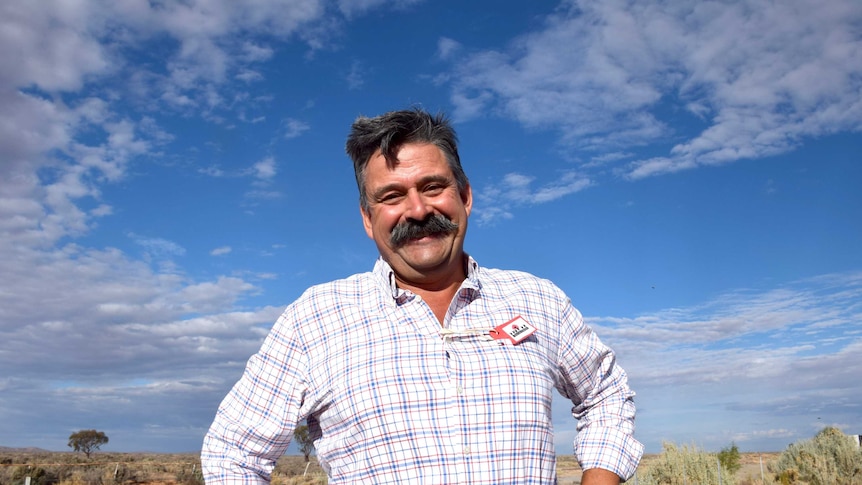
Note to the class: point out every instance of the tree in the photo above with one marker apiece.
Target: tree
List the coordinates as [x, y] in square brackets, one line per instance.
[729, 458]
[87, 441]
[304, 440]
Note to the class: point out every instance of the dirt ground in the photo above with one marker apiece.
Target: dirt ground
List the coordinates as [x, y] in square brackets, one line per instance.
[751, 466]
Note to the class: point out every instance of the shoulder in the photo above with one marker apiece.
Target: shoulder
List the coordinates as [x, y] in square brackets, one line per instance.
[328, 309]
[356, 285]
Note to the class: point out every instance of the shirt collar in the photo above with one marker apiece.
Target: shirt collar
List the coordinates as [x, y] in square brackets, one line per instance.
[386, 277]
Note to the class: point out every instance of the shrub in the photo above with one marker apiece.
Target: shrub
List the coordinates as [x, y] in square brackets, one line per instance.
[38, 475]
[729, 458]
[830, 458]
[685, 465]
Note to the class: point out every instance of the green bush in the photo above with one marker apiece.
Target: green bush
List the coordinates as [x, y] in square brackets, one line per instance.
[729, 458]
[685, 465]
[830, 458]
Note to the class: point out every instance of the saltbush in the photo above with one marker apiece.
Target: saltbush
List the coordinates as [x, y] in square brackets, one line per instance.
[681, 465]
[830, 458]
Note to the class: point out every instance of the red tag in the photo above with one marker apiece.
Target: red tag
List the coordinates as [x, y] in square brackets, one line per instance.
[515, 330]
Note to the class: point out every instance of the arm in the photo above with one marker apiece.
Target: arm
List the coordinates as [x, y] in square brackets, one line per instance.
[255, 422]
[598, 476]
[602, 402]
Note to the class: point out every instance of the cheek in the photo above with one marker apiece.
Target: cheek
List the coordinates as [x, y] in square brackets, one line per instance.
[387, 218]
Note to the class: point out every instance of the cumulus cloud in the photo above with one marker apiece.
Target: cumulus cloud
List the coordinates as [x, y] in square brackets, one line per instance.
[758, 78]
[88, 324]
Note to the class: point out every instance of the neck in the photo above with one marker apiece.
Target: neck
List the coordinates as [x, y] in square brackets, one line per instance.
[436, 292]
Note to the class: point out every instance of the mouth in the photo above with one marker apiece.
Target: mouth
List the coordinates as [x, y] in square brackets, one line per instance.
[433, 227]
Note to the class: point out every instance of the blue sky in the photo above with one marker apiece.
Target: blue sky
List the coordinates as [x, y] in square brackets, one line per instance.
[172, 175]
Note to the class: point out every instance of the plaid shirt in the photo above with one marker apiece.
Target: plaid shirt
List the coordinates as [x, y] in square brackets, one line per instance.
[392, 397]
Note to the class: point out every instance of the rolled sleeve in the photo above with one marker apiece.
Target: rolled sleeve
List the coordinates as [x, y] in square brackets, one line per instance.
[602, 402]
[610, 448]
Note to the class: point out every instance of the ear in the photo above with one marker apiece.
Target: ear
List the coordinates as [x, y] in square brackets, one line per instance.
[467, 198]
[366, 221]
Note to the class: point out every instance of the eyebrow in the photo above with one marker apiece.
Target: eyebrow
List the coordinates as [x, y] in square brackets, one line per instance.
[377, 194]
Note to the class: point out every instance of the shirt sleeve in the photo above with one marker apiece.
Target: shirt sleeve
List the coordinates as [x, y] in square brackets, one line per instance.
[602, 402]
[256, 420]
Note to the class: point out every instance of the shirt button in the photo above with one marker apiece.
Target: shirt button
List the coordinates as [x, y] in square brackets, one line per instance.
[459, 390]
[466, 450]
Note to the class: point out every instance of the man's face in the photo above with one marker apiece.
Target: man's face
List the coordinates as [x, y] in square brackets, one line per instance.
[417, 190]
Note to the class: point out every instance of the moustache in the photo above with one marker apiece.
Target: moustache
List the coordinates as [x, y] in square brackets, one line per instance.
[433, 225]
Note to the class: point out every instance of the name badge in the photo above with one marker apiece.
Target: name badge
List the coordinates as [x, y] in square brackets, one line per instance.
[515, 330]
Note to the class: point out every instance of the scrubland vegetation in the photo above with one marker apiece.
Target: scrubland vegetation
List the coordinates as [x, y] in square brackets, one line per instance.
[66, 468]
[829, 458]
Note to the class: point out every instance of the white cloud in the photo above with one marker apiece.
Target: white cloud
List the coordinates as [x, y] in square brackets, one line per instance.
[102, 210]
[294, 128]
[263, 194]
[446, 47]
[212, 171]
[800, 342]
[249, 75]
[221, 251]
[515, 189]
[356, 76]
[762, 76]
[776, 356]
[265, 169]
[257, 53]
[354, 8]
[55, 49]
[158, 247]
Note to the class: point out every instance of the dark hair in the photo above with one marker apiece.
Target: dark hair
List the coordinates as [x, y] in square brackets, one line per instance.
[389, 131]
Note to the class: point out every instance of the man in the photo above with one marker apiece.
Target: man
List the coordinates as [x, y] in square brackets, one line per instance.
[430, 368]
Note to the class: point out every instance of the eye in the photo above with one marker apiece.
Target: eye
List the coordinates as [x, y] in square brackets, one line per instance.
[434, 189]
[390, 198]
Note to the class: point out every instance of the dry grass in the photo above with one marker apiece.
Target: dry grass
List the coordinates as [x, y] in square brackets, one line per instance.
[66, 468]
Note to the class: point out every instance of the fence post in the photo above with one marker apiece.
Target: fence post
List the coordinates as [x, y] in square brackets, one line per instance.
[762, 479]
[718, 467]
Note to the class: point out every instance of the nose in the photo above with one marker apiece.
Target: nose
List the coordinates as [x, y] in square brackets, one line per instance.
[417, 208]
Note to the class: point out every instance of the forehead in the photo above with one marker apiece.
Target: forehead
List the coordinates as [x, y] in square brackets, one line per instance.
[413, 160]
